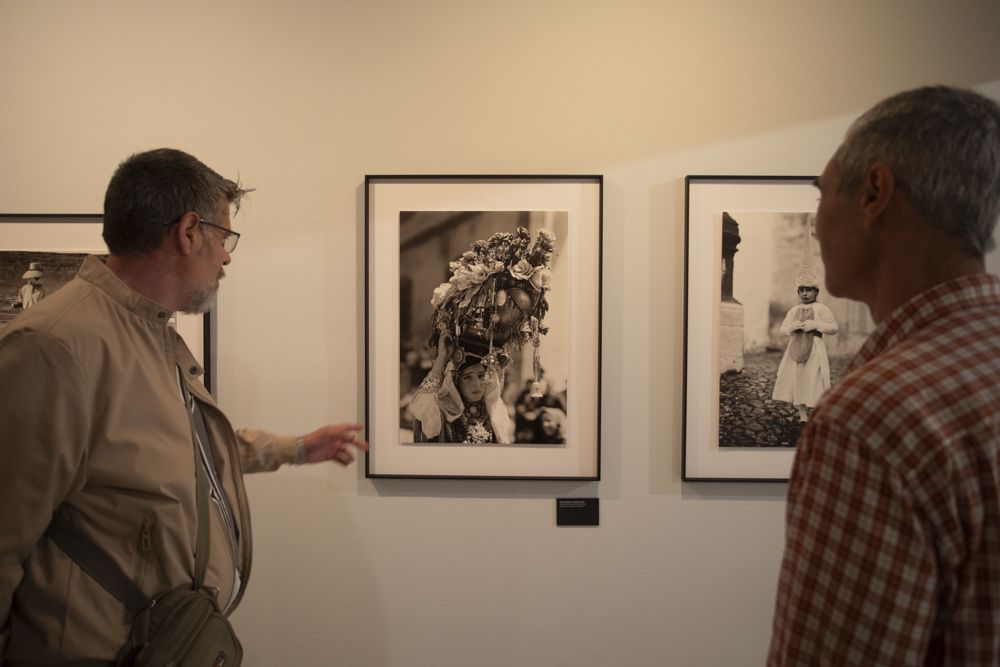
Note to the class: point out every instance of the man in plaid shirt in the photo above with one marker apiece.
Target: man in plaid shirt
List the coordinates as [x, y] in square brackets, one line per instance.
[892, 552]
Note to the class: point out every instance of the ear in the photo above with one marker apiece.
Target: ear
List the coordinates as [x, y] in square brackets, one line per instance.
[186, 232]
[876, 192]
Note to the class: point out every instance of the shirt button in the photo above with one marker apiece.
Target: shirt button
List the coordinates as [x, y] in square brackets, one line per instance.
[193, 370]
[161, 315]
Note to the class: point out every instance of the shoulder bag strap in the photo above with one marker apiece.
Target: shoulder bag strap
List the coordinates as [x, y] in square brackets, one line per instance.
[95, 562]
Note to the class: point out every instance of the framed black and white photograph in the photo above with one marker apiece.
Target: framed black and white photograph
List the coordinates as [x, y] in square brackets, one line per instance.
[40, 253]
[763, 339]
[483, 326]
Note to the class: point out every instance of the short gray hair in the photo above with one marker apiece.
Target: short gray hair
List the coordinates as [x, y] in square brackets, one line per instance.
[943, 147]
[154, 188]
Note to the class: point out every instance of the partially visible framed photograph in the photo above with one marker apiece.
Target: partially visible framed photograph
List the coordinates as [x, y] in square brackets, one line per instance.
[39, 253]
[483, 326]
[762, 339]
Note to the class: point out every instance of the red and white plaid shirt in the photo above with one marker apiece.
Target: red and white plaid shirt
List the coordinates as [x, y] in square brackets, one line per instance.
[892, 553]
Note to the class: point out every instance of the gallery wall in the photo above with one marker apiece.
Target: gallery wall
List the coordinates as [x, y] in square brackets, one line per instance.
[301, 100]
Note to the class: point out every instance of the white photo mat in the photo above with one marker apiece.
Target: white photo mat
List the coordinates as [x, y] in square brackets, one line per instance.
[386, 198]
[707, 198]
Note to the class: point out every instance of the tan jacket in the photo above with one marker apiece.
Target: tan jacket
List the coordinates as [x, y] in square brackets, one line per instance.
[92, 419]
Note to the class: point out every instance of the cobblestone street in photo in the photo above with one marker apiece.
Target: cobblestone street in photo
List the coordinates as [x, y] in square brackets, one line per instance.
[747, 415]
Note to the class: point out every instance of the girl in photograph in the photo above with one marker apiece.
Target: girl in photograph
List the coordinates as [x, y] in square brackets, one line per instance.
[804, 371]
[461, 402]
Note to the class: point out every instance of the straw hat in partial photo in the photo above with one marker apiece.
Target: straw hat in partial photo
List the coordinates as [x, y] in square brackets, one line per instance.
[34, 271]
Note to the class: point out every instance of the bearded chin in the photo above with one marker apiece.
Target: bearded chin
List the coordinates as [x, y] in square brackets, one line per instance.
[202, 301]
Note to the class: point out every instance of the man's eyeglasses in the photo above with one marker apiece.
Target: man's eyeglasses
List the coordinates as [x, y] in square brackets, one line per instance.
[229, 238]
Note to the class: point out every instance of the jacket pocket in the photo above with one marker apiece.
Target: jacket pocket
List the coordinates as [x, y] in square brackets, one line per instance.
[144, 548]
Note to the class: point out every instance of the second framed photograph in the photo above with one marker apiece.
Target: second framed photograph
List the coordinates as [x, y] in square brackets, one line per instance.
[763, 339]
[39, 253]
[483, 326]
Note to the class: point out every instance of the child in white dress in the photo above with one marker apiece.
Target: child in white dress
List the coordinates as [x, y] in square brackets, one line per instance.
[804, 371]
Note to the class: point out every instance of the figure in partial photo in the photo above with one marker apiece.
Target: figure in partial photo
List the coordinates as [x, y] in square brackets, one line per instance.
[492, 306]
[33, 290]
[529, 404]
[804, 371]
[550, 427]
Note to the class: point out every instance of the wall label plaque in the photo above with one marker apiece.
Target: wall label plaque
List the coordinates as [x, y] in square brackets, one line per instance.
[578, 511]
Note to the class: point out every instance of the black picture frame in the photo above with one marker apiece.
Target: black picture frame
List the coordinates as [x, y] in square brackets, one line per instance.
[415, 225]
[706, 199]
[36, 235]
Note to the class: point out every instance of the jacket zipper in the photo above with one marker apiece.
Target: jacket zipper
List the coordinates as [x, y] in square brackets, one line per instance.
[217, 489]
[240, 575]
[228, 523]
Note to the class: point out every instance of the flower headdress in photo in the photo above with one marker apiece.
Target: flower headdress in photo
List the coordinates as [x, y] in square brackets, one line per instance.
[494, 301]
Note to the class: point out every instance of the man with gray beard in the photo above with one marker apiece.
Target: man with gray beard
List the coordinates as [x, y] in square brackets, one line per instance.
[99, 396]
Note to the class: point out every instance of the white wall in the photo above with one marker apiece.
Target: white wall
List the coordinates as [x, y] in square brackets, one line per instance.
[304, 98]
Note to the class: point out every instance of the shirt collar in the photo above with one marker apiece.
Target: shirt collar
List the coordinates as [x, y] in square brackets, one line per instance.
[95, 271]
[940, 301]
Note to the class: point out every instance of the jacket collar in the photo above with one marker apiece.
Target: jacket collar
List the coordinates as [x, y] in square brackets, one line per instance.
[96, 272]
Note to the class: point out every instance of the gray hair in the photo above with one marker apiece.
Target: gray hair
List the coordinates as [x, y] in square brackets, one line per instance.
[150, 190]
[943, 147]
